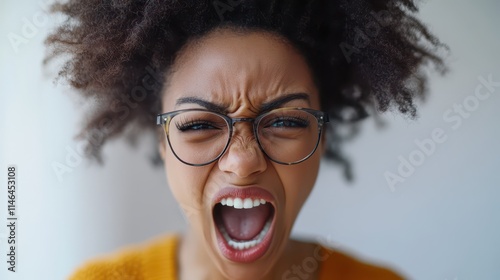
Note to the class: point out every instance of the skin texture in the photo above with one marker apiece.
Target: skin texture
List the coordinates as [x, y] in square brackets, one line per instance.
[239, 71]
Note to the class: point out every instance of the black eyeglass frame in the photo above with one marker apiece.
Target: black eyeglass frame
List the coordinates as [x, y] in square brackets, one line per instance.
[165, 118]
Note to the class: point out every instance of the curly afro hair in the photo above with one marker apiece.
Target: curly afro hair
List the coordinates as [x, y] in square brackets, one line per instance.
[363, 54]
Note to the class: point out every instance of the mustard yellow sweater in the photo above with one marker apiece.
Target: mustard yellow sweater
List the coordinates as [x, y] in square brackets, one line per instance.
[156, 260]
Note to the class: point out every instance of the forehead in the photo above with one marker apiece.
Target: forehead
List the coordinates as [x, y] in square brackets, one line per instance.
[239, 71]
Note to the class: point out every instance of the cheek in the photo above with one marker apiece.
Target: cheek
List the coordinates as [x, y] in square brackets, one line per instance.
[298, 182]
[187, 185]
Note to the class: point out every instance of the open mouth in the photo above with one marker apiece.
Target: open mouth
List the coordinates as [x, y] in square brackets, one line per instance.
[244, 222]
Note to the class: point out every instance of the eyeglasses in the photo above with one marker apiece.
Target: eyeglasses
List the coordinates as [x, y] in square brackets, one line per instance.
[199, 137]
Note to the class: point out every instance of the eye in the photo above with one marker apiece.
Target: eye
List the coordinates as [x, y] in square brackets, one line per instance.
[288, 122]
[196, 125]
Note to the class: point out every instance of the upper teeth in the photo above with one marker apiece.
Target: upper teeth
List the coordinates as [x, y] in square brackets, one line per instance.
[239, 203]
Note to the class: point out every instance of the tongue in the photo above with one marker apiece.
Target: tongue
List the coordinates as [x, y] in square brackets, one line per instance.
[244, 224]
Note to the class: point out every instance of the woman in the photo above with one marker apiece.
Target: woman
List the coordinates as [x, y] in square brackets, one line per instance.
[244, 92]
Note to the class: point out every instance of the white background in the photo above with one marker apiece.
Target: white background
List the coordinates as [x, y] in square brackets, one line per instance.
[441, 223]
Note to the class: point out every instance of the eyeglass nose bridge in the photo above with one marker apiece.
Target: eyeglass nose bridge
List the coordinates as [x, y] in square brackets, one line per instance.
[233, 122]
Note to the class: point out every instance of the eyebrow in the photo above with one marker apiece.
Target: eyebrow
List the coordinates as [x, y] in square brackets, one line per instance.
[265, 107]
[280, 101]
[196, 100]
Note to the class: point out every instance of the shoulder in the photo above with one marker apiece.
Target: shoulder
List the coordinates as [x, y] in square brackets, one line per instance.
[152, 259]
[345, 266]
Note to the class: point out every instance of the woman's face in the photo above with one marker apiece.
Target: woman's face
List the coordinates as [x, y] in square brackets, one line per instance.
[240, 72]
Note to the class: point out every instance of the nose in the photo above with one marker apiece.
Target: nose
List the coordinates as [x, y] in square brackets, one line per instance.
[243, 157]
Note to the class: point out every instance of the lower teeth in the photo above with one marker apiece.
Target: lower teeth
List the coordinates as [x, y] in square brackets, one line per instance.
[241, 245]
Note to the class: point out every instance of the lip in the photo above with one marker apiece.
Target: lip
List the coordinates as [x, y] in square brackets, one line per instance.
[254, 253]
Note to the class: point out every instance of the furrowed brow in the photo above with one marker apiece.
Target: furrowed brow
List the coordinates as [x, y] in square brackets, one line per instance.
[265, 107]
